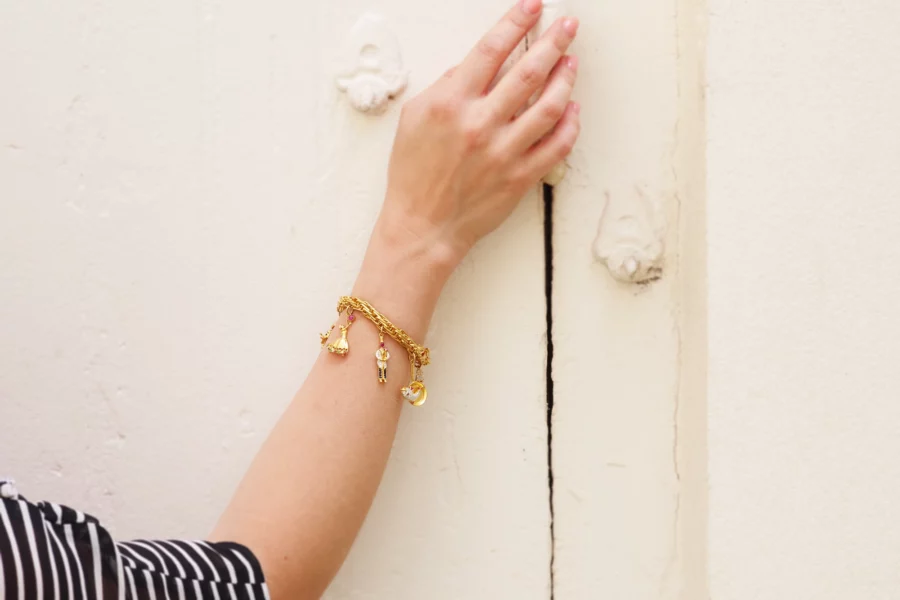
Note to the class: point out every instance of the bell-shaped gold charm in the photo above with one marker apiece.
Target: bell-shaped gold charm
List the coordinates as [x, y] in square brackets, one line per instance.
[340, 347]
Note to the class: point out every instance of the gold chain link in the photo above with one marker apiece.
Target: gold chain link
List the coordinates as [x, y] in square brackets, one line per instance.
[418, 353]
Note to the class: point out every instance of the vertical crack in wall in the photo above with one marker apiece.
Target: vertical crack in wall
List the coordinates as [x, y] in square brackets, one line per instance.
[548, 291]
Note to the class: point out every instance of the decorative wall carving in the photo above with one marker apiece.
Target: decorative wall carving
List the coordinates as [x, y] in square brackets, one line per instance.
[371, 66]
[631, 236]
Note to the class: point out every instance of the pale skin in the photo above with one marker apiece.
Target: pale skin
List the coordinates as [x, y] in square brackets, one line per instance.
[467, 150]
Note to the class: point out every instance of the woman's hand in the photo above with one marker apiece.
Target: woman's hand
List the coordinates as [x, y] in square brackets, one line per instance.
[469, 147]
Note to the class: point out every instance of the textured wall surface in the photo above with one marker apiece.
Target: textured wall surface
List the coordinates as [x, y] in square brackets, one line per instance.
[184, 194]
[804, 217]
[617, 346]
[628, 366]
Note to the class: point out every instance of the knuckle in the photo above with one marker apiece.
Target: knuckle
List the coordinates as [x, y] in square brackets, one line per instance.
[552, 111]
[492, 114]
[518, 19]
[477, 140]
[576, 131]
[565, 147]
[530, 76]
[495, 159]
[490, 48]
[475, 135]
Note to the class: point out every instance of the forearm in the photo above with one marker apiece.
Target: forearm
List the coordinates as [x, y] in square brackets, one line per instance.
[306, 494]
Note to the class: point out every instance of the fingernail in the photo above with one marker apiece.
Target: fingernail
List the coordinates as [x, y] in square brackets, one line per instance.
[572, 63]
[532, 7]
[576, 108]
[570, 26]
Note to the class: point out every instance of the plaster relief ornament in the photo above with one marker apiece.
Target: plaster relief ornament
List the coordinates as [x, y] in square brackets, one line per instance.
[370, 66]
[631, 237]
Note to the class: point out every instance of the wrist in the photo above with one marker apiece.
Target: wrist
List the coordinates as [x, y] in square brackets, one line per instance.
[403, 275]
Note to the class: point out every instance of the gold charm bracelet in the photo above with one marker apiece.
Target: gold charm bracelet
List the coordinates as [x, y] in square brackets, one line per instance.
[415, 393]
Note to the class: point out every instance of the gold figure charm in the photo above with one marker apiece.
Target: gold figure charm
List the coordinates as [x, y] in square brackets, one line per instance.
[381, 357]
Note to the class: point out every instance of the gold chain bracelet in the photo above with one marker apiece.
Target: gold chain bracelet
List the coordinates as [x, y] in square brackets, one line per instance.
[419, 356]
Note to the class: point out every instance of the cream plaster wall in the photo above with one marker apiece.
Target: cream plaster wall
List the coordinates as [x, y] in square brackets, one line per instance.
[629, 366]
[618, 490]
[804, 218]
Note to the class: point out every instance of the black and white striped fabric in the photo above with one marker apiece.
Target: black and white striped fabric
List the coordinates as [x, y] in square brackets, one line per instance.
[54, 552]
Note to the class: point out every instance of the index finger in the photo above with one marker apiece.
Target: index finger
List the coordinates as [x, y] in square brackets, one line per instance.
[483, 63]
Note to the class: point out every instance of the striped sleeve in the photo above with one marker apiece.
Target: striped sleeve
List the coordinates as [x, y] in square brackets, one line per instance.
[54, 552]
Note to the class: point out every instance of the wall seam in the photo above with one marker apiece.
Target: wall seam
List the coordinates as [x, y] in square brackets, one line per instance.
[548, 291]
